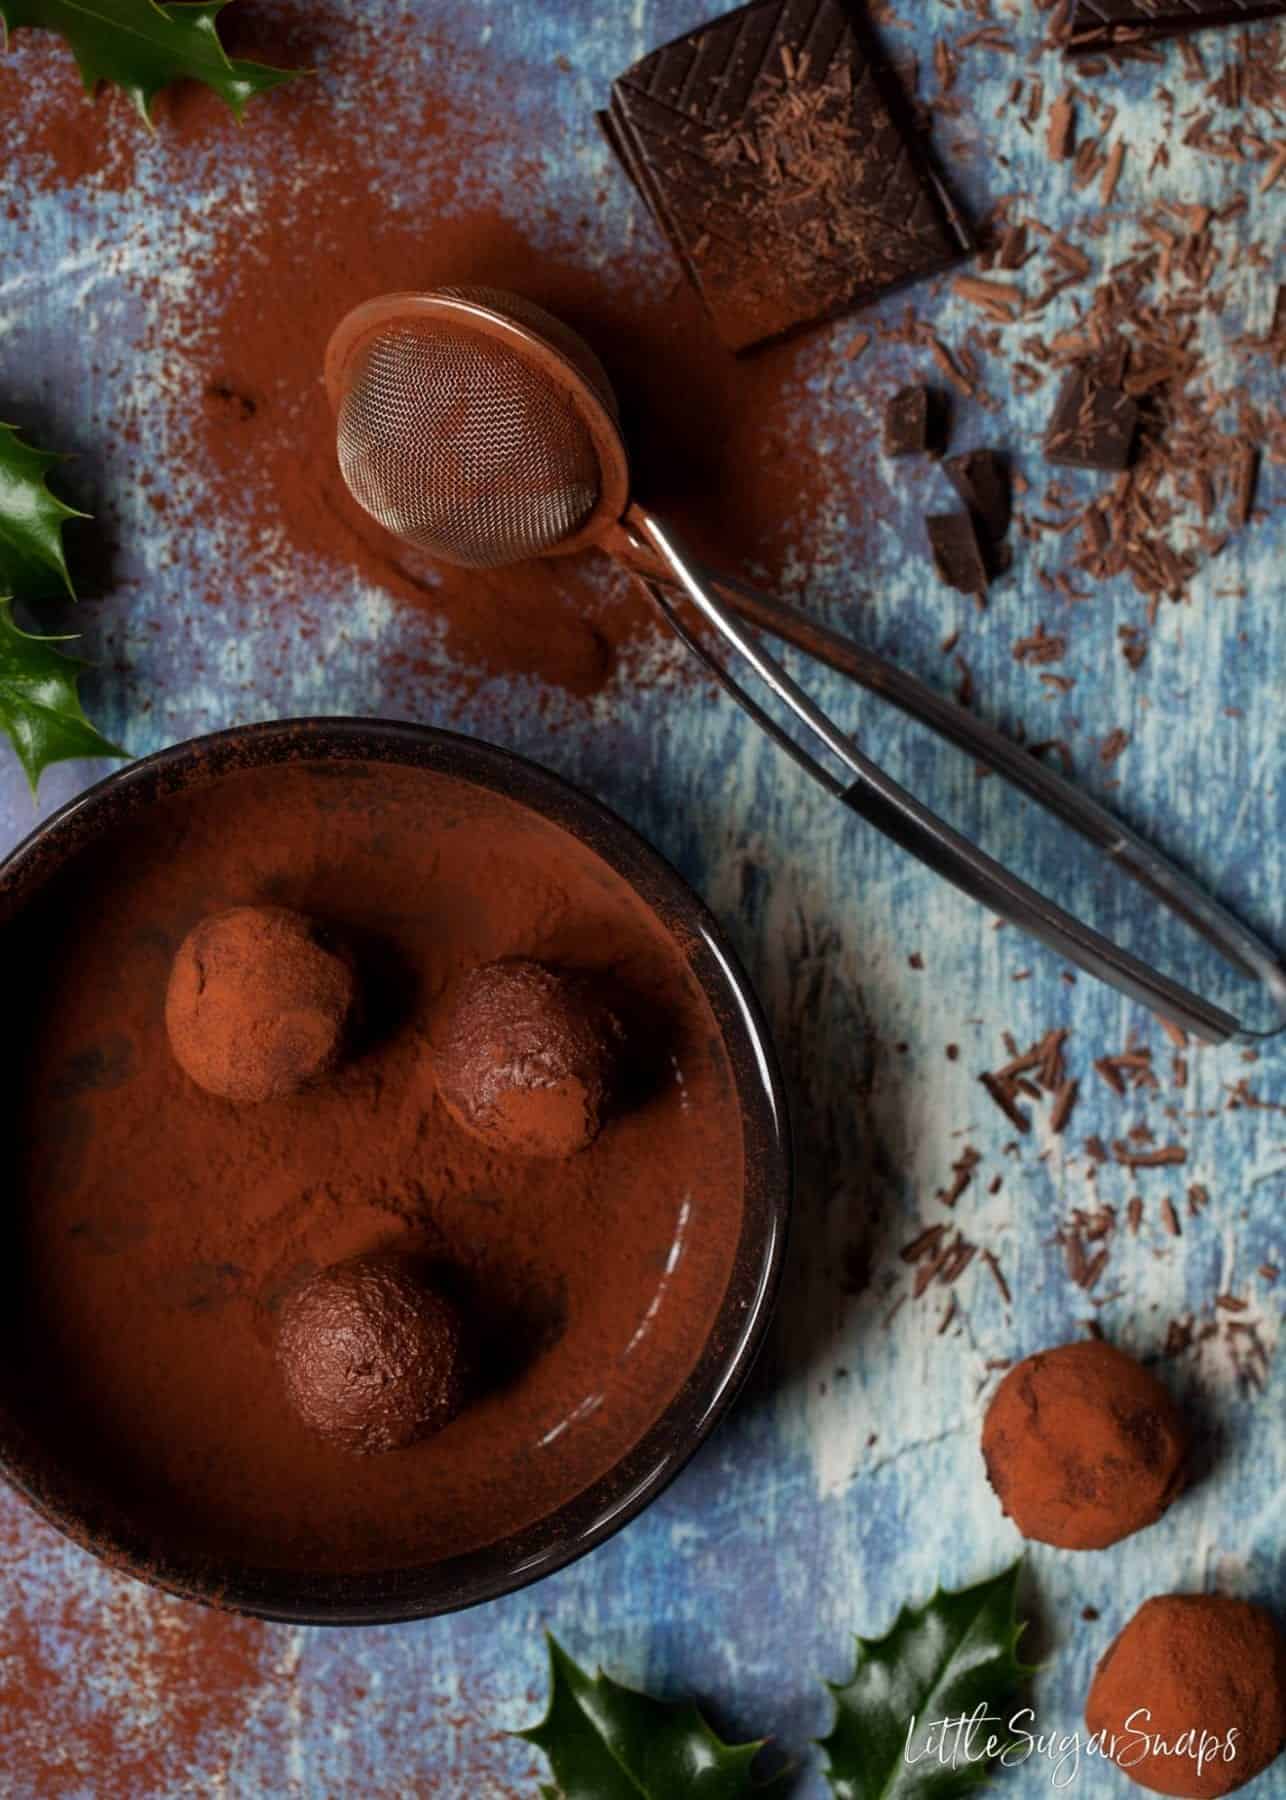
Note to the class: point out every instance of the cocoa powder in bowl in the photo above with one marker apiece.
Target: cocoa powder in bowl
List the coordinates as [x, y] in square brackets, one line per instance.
[154, 1232]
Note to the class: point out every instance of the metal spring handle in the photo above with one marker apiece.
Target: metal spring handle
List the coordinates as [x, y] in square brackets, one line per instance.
[888, 806]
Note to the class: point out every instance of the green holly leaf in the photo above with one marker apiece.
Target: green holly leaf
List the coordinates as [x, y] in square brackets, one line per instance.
[607, 1742]
[141, 46]
[39, 705]
[31, 521]
[943, 1662]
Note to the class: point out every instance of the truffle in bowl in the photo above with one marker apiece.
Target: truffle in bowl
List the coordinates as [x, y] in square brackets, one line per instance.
[159, 1234]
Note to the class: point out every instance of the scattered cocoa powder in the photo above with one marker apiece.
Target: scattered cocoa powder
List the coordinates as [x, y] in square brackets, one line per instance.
[244, 412]
[212, 1671]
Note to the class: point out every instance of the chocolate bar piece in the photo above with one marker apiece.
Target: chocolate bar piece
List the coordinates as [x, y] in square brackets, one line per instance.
[1101, 24]
[1093, 425]
[957, 554]
[981, 478]
[911, 423]
[768, 146]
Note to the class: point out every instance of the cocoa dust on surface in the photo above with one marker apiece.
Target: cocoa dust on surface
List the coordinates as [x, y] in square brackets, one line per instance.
[317, 225]
[80, 1662]
[158, 1229]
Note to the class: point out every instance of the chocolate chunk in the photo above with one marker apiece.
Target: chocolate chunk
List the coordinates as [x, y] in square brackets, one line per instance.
[1093, 425]
[957, 554]
[981, 478]
[1060, 137]
[1100, 24]
[769, 147]
[1245, 472]
[913, 423]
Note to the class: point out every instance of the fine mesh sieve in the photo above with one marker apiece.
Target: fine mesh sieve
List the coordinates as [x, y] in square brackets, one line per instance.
[475, 425]
[455, 445]
[475, 444]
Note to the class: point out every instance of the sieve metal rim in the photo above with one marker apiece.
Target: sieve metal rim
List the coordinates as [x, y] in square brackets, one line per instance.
[370, 317]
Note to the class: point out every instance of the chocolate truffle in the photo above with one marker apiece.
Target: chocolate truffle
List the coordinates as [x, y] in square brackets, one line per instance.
[260, 1002]
[1083, 1446]
[372, 1356]
[1201, 1678]
[529, 1058]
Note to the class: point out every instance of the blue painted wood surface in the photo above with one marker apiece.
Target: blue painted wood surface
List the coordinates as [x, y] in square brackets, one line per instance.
[848, 1481]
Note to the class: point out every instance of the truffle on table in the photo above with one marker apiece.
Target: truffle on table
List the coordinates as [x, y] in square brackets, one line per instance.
[529, 1058]
[260, 1002]
[373, 1357]
[1211, 1673]
[1083, 1446]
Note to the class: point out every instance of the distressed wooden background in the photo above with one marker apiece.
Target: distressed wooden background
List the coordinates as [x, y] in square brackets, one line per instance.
[848, 1480]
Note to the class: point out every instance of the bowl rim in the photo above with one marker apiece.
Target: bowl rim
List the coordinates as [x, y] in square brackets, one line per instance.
[737, 1334]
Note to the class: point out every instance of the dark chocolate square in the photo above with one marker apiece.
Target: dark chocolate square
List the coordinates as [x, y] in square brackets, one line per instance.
[957, 553]
[981, 478]
[1093, 425]
[907, 425]
[768, 147]
[1100, 24]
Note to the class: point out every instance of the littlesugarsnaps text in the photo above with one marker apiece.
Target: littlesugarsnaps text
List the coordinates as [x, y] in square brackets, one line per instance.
[978, 1737]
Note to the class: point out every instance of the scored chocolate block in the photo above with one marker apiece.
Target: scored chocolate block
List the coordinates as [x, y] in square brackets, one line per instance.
[1093, 425]
[1099, 24]
[768, 146]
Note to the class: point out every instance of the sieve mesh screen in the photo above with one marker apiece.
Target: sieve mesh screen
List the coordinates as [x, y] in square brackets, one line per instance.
[456, 443]
[535, 318]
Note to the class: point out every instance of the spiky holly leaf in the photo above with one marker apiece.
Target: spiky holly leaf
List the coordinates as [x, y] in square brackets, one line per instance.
[939, 1663]
[39, 706]
[31, 522]
[141, 46]
[607, 1742]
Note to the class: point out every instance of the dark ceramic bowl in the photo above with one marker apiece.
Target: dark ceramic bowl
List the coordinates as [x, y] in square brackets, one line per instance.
[742, 1316]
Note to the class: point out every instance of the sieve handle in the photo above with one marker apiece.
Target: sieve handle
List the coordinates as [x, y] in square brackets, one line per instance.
[653, 553]
[956, 725]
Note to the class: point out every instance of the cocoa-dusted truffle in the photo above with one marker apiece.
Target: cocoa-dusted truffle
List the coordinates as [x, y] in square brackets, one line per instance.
[372, 1356]
[1209, 1673]
[529, 1057]
[1083, 1446]
[260, 1002]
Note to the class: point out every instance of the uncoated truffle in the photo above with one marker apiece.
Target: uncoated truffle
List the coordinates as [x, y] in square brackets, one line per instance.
[372, 1356]
[260, 1002]
[1083, 1446]
[1210, 1674]
[529, 1058]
